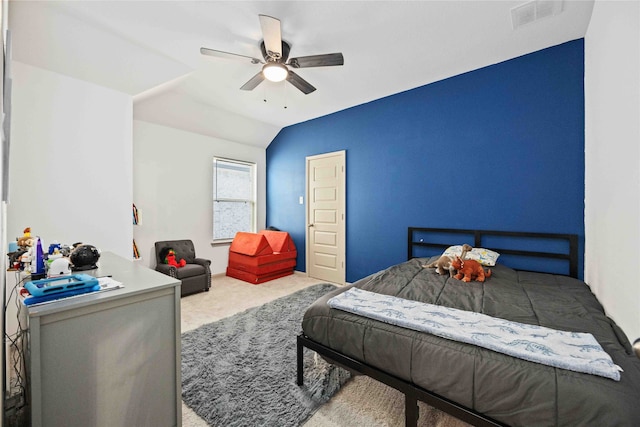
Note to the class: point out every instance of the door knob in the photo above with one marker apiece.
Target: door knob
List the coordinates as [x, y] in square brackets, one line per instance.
[310, 225]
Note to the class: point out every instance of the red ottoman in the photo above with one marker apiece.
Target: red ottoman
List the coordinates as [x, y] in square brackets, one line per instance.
[260, 257]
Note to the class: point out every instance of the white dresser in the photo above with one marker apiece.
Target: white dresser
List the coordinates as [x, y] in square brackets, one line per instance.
[110, 358]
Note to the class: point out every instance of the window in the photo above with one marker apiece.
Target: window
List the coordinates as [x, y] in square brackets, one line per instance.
[234, 198]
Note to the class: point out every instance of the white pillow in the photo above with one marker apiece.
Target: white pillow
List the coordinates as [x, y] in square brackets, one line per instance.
[485, 257]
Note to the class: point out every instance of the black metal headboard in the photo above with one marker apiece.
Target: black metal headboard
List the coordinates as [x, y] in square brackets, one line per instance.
[512, 243]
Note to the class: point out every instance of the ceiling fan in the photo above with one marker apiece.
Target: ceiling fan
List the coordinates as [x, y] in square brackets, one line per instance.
[276, 63]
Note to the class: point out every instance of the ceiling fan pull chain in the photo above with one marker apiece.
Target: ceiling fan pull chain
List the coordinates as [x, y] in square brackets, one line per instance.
[285, 95]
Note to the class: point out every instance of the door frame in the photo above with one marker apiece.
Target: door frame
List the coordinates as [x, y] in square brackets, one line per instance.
[342, 235]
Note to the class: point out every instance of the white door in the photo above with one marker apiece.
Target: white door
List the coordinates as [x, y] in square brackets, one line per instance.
[326, 217]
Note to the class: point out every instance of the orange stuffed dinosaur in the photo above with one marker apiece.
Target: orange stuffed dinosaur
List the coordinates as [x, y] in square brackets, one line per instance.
[469, 269]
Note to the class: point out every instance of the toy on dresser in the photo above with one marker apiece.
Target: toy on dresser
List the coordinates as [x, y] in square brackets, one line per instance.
[26, 246]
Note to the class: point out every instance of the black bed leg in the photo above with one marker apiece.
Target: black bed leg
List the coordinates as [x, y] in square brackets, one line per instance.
[300, 349]
[410, 410]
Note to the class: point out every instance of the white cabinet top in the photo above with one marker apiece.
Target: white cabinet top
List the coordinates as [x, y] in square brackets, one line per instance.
[136, 279]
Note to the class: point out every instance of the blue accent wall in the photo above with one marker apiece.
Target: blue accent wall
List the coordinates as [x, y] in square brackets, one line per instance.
[499, 148]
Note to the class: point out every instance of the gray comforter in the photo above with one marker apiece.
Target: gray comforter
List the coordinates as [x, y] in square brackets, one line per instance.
[512, 391]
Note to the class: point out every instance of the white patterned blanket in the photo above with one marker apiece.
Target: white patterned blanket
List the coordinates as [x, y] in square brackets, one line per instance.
[575, 351]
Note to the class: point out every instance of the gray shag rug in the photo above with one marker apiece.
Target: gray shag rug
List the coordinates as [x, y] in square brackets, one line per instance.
[241, 370]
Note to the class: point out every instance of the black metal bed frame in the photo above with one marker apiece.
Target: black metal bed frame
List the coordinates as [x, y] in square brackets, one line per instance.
[570, 256]
[412, 392]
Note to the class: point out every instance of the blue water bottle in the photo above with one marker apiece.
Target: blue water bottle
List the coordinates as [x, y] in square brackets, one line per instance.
[39, 269]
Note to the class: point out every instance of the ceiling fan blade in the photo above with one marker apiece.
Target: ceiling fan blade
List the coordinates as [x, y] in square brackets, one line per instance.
[272, 35]
[228, 55]
[300, 83]
[326, 60]
[253, 82]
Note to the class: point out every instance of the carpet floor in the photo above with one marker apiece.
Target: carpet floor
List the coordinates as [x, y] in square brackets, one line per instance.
[241, 370]
[360, 402]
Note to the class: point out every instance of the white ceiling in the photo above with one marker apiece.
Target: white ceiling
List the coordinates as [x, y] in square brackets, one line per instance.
[150, 49]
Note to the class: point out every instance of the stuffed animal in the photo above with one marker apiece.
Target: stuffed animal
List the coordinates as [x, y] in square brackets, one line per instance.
[443, 263]
[168, 255]
[14, 259]
[25, 242]
[469, 270]
[22, 258]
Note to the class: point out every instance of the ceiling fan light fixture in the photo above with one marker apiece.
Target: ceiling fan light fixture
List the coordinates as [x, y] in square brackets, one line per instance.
[277, 66]
[275, 72]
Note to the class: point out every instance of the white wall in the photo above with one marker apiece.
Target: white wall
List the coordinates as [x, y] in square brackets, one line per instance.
[173, 188]
[612, 153]
[70, 161]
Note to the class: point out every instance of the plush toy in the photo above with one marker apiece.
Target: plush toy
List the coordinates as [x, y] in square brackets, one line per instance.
[443, 263]
[27, 257]
[469, 270]
[53, 247]
[15, 259]
[25, 242]
[168, 255]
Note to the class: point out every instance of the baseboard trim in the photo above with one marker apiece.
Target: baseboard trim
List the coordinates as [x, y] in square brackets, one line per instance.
[300, 273]
[295, 272]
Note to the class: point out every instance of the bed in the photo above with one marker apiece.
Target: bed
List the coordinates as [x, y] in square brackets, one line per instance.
[474, 384]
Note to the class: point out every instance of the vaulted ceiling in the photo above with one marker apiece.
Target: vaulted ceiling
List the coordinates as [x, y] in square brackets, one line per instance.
[151, 50]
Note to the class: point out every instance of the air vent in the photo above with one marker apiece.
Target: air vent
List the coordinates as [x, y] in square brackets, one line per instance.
[534, 10]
